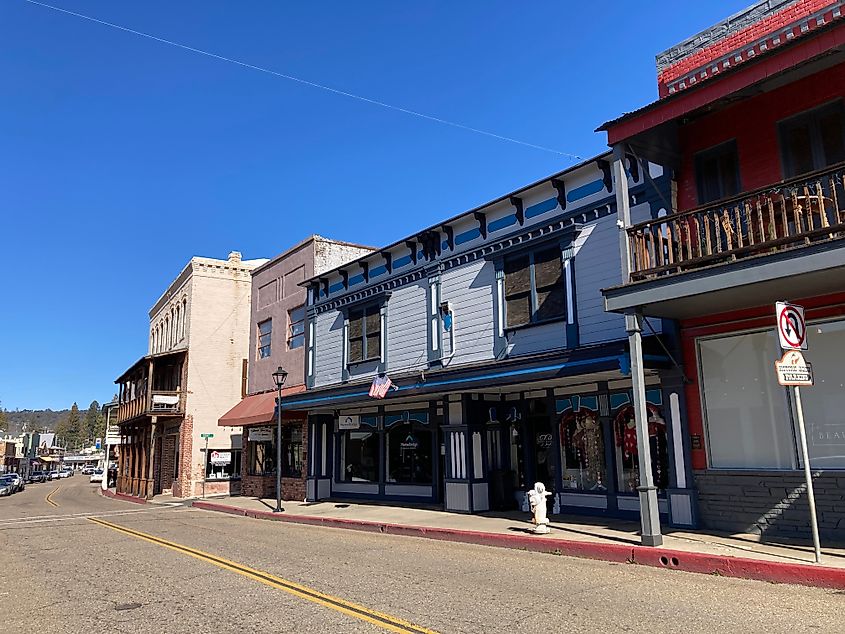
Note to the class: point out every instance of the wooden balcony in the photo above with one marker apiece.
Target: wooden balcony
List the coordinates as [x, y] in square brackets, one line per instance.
[162, 403]
[789, 215]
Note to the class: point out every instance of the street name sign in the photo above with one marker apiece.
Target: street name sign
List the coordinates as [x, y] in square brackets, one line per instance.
[793, 369]
[792, 329]
[206, 436]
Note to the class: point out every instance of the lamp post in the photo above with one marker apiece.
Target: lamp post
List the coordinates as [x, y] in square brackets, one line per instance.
[279, 377]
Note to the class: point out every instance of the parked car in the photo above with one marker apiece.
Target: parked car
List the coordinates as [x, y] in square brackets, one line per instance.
[6, 486]
[88, 470]
[37, 476]
[65, 473]
[97, 476]
[54, 475]
[20, 485]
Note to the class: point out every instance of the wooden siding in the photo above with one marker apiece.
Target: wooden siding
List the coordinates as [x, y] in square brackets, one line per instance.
[329, 348]
[406, 328]
[537, 339]
[470, 289]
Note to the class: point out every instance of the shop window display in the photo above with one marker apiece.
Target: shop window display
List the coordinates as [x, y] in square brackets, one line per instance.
[582, 445]
[408, 451]
[627, 450]
[360, 460]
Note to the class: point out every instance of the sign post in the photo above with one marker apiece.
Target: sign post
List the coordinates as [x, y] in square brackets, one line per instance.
[792, 370]
[205, 467]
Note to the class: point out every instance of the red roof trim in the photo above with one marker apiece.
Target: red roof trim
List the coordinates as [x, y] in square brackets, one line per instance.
[682, 103]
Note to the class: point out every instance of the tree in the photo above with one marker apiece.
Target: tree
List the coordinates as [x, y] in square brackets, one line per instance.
[70, 428]
[92, 424]
[4, 421]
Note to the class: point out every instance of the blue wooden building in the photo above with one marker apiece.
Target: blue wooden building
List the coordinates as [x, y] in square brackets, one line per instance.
[504, 367]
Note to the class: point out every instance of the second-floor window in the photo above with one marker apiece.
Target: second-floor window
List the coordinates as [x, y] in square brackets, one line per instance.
[365, 334]
[534, 287]
[717, 173]
[265, 333]
[813, 140]
[296, 328]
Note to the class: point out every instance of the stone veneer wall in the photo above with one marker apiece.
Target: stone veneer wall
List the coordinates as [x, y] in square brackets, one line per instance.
[770, 502]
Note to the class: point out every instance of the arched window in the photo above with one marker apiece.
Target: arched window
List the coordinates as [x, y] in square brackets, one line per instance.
[155, 340]
[171, 341]
[184, 317]
[166, 332]
[178, 327]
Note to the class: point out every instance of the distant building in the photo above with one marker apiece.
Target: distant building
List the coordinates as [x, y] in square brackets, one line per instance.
[192, 373]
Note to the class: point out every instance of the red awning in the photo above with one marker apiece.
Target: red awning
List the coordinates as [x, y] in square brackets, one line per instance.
[258, 408]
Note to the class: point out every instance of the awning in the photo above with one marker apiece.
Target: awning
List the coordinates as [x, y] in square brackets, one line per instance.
[47, 459]
[259, 408]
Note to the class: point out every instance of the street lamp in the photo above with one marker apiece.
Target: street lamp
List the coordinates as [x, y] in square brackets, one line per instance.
[279, 377]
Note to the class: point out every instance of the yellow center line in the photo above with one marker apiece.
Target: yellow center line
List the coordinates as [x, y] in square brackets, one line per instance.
[379, 619]
[49, 496]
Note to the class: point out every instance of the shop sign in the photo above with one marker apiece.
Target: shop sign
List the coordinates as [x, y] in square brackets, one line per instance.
[349, 422]
[221, 457]
[261, 434]
[544, 441]
[792, 330]
[793, 369]
[410, 443]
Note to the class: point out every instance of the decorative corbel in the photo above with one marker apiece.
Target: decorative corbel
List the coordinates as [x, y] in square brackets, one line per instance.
[604, 166]
[482, 223]
[519, 209]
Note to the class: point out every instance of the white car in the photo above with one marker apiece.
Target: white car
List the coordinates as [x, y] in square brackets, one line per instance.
[97, 476]
[64, 473]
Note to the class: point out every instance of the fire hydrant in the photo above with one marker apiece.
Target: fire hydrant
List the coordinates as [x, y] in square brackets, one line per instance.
[537, 501]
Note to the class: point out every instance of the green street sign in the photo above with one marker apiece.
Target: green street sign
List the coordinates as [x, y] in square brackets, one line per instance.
[206, 435]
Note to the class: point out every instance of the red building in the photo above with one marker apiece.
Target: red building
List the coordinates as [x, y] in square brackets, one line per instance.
[752, 121]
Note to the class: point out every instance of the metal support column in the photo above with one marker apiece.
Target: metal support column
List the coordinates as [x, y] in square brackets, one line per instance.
[649, 512]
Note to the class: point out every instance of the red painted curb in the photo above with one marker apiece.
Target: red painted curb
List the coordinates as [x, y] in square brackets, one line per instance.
[121, 496]
[720, 565]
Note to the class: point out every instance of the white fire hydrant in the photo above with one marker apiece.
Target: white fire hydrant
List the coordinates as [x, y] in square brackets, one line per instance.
[537, 501]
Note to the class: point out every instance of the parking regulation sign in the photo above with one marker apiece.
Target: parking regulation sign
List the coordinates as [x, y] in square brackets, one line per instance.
[792, 330]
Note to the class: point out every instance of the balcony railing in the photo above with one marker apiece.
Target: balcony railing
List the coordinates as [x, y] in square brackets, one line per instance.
[163, 402]
[793, 213]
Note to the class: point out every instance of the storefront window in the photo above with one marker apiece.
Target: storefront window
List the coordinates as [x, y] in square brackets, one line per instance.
[581, 444]
[360, 452]
[262, 458]
[824, 403]
[292, 451]
[747, 412]
[223, 464]
[627, 450]
[408, 449]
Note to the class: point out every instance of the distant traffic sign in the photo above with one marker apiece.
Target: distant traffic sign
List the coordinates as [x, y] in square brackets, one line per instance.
[793, 369]
[792, 330]
[206, 435]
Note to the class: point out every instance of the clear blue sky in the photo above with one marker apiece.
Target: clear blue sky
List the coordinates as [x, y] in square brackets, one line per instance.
[123, 157]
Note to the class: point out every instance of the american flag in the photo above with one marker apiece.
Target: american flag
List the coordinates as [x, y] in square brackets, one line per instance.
[381, 386]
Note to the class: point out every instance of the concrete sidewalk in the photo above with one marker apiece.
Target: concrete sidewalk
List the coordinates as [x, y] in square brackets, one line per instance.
[737, 555]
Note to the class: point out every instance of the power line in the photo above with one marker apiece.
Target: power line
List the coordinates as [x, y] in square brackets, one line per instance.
[306, 82]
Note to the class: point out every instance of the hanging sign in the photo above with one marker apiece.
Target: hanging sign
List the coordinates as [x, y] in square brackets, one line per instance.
[260, 434]
[221, 457]
[792, 330]
[349, 422]
[793, 369]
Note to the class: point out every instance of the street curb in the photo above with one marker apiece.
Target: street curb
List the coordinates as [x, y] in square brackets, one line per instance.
[120, 496]
[702, 563]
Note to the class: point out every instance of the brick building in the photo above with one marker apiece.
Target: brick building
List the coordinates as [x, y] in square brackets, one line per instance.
[751, 120]
[277, 337]
[192, 373]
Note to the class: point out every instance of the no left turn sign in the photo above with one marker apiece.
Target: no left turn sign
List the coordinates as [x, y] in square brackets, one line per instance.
[792, 330]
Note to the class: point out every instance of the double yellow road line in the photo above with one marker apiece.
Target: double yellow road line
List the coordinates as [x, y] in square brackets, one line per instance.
[379, 619]
[50, 495]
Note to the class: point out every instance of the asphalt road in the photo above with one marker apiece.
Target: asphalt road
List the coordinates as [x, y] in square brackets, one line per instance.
[64, 572]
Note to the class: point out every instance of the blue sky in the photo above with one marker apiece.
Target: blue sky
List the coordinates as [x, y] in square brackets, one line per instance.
[123, 157]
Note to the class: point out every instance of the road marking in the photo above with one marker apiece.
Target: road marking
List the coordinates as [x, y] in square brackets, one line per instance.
[16, 521]
[49, 495]
[379, 619]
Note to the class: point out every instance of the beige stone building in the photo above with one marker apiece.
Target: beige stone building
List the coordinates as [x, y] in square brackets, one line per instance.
[194, 371]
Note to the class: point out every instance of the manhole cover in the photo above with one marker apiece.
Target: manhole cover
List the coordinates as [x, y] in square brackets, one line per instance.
[127, 606]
